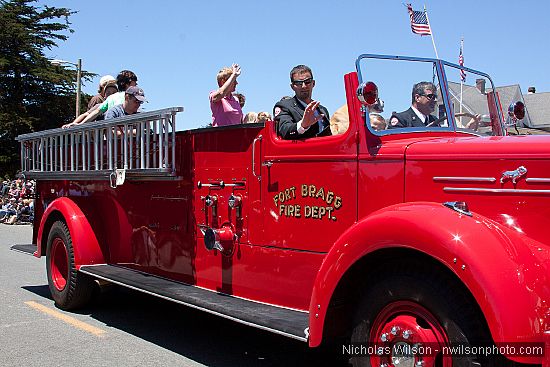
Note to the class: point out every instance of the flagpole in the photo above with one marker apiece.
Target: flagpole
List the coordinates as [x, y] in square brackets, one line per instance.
[431, 32]
[461, 80]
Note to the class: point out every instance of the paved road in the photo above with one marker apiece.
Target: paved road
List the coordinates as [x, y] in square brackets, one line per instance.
[122, 327]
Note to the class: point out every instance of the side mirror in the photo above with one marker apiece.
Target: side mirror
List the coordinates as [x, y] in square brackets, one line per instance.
[367, 93]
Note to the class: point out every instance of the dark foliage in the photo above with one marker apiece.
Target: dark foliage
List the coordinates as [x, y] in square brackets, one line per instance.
[34, 94]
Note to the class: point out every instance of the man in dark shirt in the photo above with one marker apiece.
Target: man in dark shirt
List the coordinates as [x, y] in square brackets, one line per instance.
[133, 99]
[301, 117]
[424, 99]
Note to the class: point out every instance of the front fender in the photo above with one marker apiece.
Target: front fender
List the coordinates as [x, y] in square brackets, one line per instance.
[496, 264]
[86, 247]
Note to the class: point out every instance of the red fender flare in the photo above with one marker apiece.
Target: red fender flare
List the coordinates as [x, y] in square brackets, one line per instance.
[86, 247]
[498, 263]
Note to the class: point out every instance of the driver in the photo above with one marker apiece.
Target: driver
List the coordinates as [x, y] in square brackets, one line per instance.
[424, 99]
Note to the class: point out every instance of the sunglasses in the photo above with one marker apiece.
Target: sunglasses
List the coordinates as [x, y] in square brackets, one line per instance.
[298, 83]
[430, 96]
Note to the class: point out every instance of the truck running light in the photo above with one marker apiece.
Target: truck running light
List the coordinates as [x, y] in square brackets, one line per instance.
[516, 110]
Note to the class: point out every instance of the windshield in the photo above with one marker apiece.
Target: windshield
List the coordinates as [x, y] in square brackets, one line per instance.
[414, 96]
[472, 101]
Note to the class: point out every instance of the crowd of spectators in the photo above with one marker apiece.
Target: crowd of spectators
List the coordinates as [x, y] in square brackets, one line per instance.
[16, 202]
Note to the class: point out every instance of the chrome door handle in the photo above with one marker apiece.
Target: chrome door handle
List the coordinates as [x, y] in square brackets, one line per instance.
[259, 176]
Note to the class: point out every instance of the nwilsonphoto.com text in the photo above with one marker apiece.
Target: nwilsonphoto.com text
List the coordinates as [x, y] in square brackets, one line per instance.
[456, 350]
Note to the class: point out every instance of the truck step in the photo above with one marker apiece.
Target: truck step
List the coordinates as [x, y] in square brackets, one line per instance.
[287, 322]
[28, 249]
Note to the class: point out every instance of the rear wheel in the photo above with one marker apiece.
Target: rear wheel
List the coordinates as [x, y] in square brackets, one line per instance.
[69, 288]
[407, 317]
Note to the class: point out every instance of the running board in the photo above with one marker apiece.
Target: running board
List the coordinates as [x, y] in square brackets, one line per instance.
[283, 321]
[29, 249]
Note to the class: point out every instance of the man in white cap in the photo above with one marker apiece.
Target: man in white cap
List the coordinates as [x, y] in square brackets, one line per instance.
[107, 86]
[133, 99]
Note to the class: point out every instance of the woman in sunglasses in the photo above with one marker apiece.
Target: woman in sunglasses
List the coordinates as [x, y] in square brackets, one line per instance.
[424, 100]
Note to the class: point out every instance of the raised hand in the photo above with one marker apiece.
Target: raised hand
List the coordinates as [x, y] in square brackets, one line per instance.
[309, 115]
[236, 69]
[473, 124]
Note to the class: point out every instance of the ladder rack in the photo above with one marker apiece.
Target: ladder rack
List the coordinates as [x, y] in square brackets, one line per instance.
[141, 146]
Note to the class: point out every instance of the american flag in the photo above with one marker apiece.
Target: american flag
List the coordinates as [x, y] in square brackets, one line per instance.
[419, 22]
[461, 63]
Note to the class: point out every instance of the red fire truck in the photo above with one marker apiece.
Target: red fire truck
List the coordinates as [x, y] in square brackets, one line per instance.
[427, 238]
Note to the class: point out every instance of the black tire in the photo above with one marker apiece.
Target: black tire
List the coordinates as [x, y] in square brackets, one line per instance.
[69, 288]
[395, 299]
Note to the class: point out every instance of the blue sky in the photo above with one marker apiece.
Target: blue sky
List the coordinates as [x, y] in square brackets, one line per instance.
[177, 47]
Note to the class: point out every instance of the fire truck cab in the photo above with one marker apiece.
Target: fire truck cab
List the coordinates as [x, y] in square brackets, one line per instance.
[428, 236]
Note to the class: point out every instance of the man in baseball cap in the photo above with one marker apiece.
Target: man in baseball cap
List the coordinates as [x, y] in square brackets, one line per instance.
[137, 93]
[133, 99]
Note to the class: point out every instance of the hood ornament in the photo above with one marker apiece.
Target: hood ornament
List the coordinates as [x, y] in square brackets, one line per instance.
[514, 175]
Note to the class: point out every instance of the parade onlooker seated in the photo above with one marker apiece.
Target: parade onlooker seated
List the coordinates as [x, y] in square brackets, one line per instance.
[8, 213]
[5, 188]
[16, 206]
[15, 189]
[27, 190]
[134, 97]
[25, 212]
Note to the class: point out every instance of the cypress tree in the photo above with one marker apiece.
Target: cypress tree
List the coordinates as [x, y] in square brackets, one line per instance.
[34, 94]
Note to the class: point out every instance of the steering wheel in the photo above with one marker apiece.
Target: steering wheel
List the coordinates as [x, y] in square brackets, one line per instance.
[461, 114]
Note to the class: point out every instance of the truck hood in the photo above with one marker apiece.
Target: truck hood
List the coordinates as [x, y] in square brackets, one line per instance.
[505, 178]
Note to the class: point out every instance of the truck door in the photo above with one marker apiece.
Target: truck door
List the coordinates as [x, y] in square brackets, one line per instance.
[308, 189]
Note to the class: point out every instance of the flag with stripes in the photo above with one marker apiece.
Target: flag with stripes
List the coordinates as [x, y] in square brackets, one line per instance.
[419, 22]
[461, 63]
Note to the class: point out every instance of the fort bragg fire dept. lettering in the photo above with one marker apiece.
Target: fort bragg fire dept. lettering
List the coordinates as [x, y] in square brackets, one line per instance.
[285, 201]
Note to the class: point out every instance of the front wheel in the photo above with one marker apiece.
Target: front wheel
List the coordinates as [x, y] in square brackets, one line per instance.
[69, 288]
[412, 318]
